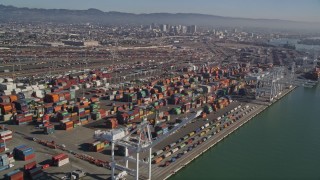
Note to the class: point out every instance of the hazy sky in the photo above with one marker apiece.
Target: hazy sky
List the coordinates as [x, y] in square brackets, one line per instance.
[301, 10]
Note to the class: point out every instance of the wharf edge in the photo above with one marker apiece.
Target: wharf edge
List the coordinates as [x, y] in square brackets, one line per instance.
[231, 130]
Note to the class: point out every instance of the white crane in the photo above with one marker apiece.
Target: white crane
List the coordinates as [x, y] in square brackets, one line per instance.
[275, 81]
[144, 144]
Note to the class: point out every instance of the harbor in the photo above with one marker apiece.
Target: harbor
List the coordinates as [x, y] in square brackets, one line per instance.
[242, 151]
[149, 100]
[217, 138]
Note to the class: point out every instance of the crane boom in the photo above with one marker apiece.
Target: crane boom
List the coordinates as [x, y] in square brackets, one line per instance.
[173, 130]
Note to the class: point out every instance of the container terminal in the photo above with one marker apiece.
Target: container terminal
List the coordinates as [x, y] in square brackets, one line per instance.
[68, 120]
[131, 119]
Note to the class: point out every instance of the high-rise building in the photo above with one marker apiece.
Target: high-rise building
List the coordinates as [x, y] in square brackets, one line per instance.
[184, 29]
[153, 25]
[163, 27]
[192, 29]
[235, 30]
[179, 28]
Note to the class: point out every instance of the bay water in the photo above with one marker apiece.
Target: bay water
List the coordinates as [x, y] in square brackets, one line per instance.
[283, 142]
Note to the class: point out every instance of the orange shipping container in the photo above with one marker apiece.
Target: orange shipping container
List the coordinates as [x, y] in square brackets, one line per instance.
[69, 123]
[57, 108]
[13, 98]
[69, 128]
[160, 95]
[86, 104]
[158, 160]
[54, 97]
[5, 107]
[84, 122]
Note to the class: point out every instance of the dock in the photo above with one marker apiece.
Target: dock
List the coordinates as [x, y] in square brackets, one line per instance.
[167, 172]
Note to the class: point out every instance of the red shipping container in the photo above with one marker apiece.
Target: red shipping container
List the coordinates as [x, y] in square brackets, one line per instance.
[29, 157]
[59, 156]
[17, 176]
[30, 165]
[46, 166]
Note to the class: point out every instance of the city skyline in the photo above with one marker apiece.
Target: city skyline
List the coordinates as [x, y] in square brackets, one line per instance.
[295, 10]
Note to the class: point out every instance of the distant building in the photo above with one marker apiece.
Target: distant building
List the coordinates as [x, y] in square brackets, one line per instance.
[235, 30]
[91, 43]
[176, 30]
[184, 29]
[73, 43]
[80, 43]
[179, 28]
[163, 27]
[192, 29]
[153, 26]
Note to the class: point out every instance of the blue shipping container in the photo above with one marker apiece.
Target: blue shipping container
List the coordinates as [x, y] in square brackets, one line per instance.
[13, 172]
[4, 167]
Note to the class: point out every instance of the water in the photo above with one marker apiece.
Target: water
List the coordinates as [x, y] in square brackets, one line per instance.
[283, 142]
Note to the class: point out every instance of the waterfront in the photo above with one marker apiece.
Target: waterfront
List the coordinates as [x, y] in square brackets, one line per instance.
[280, 143]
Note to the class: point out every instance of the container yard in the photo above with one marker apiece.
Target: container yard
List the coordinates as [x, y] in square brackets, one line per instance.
[67, 120]
[132, 107]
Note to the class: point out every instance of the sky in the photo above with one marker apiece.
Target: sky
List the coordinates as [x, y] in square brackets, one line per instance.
[298, 10]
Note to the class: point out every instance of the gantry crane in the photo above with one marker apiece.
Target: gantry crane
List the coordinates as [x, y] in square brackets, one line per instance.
[274, 81]
[144, 143]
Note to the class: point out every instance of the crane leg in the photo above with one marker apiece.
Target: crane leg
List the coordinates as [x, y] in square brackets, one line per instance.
[149, 164]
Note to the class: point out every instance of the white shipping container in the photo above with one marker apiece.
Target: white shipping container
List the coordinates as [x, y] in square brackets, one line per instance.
[7, 117]
[6, 138]
[63, 162]
[7, 92]
[167, 154]
[39, 93]
[9, 79]
[98, 83]
[4, 133]
[28, 93]
[111, 97]
[159, 152]
[110, 135]
[7, 87]
[11, 160]
[28, 87]
[17, 90]
[175, 150]
[41, 86]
